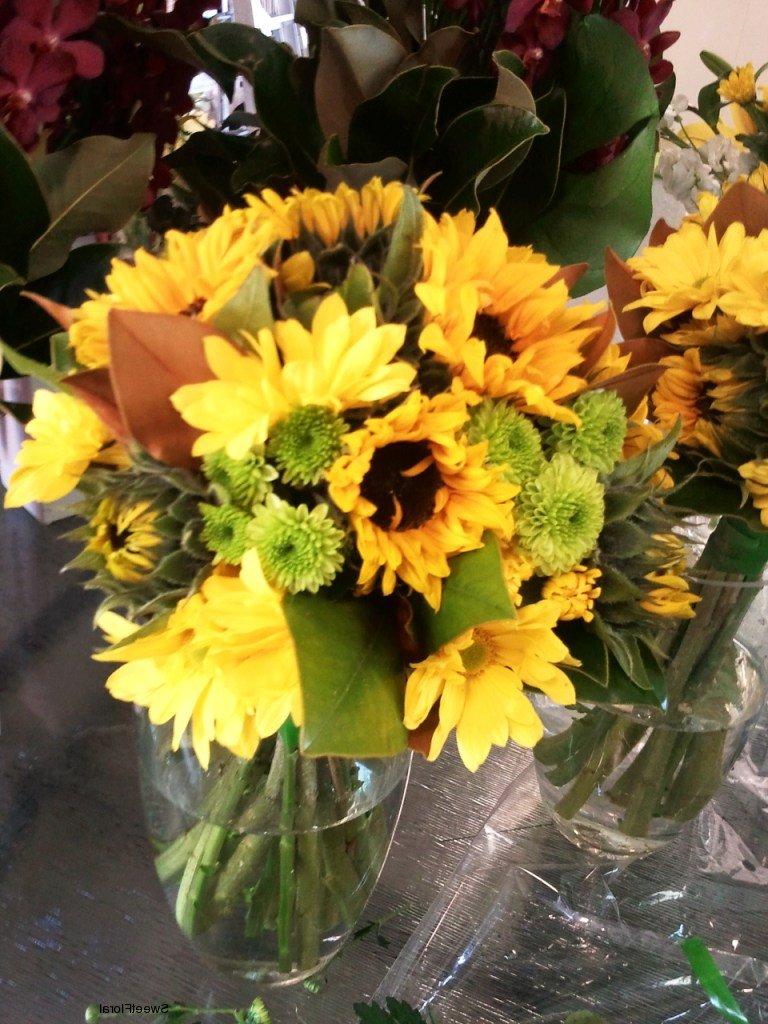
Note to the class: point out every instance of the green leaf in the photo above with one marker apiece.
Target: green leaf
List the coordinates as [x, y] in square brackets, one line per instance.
[611, 206]
[642, 467]
[716, 64]
[267, 160]
[599, 678]
[607, 83]
[9, 278]
[402, 119]
[710, 104]
[62, 356]
[27, 214]
[401, 267]
[27, 367]
[395, 1013]
[94, 185]
[352, 678]
[500, 135]
[250, 309]
[207, 163]
[473, 594]
[712, 981]
[585, 1017]
[86, 268]
[357, 289]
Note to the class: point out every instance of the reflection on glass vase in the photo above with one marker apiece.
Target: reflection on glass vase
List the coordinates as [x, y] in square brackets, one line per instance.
[267, 863]
[621, 782]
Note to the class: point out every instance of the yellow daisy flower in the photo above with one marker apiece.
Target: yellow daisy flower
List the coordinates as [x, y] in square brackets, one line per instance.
[66, 437]
[689, 273]
[740, 86]
[575, 592]
[125, 536]
[670, 596]
[329, 214]
[479, 679]
[499, 316]
[223, 663]
[417, 493]
[755, 475]
[746, 299]
[198, 273]
[345, 362]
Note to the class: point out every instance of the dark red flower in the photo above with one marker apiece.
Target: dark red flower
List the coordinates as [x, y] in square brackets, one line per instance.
[31, 86]
[46, 28]
[643, 19]
[535, 28]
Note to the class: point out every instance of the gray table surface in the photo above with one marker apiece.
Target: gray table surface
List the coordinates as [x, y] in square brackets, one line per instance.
[82, 916]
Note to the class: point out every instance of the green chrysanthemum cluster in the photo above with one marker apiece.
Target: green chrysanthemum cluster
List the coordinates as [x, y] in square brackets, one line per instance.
[513, 441]
[243, 482]
[225, 532]
[299, 549]
[599, 441]
[306, 443]
[560, 514]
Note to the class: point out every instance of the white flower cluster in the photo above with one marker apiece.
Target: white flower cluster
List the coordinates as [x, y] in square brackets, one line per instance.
[686, 172]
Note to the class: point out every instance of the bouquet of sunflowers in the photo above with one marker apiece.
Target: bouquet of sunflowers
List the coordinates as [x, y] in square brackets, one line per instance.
[353, 479]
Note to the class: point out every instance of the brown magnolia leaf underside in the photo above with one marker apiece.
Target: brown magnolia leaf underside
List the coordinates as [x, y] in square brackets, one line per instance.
[743, 203]
[622, 290]
[63, 315]
[94, 387]
[633, 385]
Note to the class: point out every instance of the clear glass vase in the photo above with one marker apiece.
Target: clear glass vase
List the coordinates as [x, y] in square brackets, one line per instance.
[267, 863]
[621, 782]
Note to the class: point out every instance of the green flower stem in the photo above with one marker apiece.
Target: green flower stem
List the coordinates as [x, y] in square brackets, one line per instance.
[308, 903]
[340, 876]
[290, 737]
[651, 784]
[601, 762]
[699, 778]
[190, 898]
[243, 865]
[171, 862]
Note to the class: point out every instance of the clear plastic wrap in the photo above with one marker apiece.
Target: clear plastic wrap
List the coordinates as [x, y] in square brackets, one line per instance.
[530, 929]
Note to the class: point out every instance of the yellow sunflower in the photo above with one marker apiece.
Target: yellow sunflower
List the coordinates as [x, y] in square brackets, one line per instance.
[755, 476]
[517, 569]
[479, 679]
[500, 317]
[329, 214]
[689, 273]
[576, 592]
[746, 299]
[417, 493]
[345, 362]
[124, 535]
[65, 438]
[197, 274]
[223, 663]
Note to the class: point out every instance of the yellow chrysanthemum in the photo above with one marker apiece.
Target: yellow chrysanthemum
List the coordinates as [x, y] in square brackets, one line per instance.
[755, 476]
[575, 592]
[124, 535]
[689, 273]
[224, 663]
[517, 569]
[740, 86]
[479, 678]
[66, 437]
[329, 214]
[417, 493]
[345, 362]
[746, 299]
[499, 317]
[197, 274]
[642, 434]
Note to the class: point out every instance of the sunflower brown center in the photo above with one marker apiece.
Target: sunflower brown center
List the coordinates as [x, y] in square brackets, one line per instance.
[402, 483]
[488, 329]
[195, 307]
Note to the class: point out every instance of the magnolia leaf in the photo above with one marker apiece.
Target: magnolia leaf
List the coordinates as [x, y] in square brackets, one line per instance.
[352, 679]
[401, 267]
[357, 175]
[446, 46]
[26, 367]
[608, 86]
[267, 160]
[743, 203]
[610, 206]
[500, 136]
[624, 289]
[710, 104]
[86, 268]
[63, 315]
[599, 678]
[473, 594]
[402, 119]
[719, 67]
[358, 14]
[27, 214]
[709, 490]
[93, 185]
[356, 62]
[208, 162]
[407, 18]
[316, 13]
[250, 309]
[633, 385]
[594, 350]
[151, 356]
[9, 278]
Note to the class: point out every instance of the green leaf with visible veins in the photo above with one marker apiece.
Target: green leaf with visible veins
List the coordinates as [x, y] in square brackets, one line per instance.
[395, 1013]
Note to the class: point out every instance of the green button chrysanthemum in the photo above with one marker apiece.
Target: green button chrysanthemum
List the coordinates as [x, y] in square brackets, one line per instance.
[599, 441]
[244, 482]
[306, 443]
[513, 441]
[559, 515]
[299, 549]
[225, 531]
